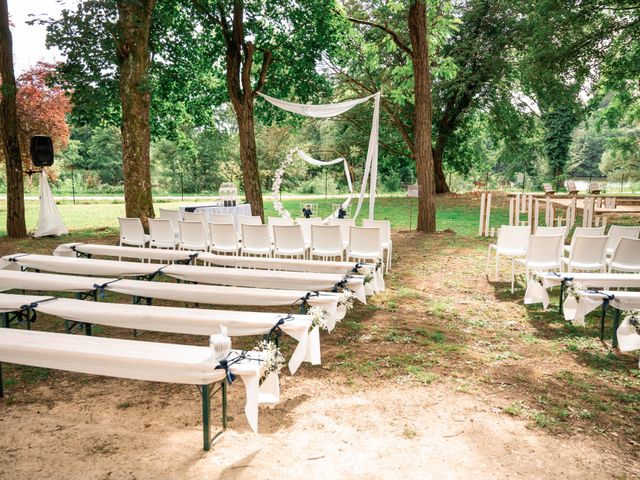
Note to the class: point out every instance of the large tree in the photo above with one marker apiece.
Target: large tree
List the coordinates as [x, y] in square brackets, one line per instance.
[16, 226]
[276, 44]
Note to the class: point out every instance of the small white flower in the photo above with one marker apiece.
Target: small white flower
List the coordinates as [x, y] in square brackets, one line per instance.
[272, 358]
[318, 318]
[346, 299]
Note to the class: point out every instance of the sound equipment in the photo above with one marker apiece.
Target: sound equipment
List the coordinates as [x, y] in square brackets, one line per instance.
[41, 151]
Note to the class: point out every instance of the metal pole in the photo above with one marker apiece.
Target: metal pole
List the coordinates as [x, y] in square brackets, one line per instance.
[410, 211]
[622, 183]
[524, 180]
[487, 185]
[206, 420]
[181, 187]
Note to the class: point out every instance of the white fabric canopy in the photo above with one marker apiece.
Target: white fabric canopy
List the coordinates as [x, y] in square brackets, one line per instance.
[335, 109]
[150, 361]
[537, 293]
[178, 292]
[191, 321]
[49, 222]
[191, 273]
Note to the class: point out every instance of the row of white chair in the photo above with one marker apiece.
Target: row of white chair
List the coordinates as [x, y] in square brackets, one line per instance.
[588, 250]
[306, 239]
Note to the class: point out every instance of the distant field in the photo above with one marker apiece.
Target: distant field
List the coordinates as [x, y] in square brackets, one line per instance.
[458, 213]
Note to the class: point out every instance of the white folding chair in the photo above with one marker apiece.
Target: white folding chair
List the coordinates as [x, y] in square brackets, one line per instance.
[511, 242]
[551, 231]
[584, 232]
[345, 224]
[543, 253]
[223, 238]
[192, 236]
[247, 220]
[326, 242]
[288, 241]
[626, 257]
[305, 225]
[588, 254]
[385, 233]
[132, 233]
[161, 234]
[616, 232]
[256, 240]
[174, 217]
[365, 244]
[220, 218]
[272, 221]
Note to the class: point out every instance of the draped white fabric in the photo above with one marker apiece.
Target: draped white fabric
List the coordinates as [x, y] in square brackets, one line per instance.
[177, 292]
[150, 361]
[49, 222]
[191, 321]
[590, 301]
[287, 264]
[332, 110]
[191, 273]
[319, 163]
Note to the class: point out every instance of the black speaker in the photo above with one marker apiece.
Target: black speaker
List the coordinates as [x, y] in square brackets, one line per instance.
[41, 151]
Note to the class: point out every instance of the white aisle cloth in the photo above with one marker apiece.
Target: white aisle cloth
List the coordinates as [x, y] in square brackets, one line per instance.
[587, 302]
[537, 293]
[244, 209]
[191, 273]
[150, 361]
[287, 264]
[191, 321]
[49, 222]
[179, 292]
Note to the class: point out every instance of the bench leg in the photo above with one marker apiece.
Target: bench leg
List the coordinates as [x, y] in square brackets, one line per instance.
[206, 392]
[616, 324]
[602, 317]
[1, 383]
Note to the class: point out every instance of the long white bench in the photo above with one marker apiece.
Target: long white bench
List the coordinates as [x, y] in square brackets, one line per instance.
[184, 256]
[179, 292]
[191, 273]
[149, 361]
[191, 321]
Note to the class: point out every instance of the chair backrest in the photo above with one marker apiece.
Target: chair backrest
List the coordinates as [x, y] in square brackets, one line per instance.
[220, 218]
[589, 250]
[513, 237]
[171, 215]
[548, 188]
[223, 235]
[193, 234]
[627, 252]
[586, 232]
[161, 232]
[247, 220]
[544, 248]
[326, 238]
[256, 236]
[193, 217]
[616, 232]
[131, 230]
[345, 224]
[383, 225]
[551, 231]
[594, 187]
[571, 186]
[280, 221]
[366, 240]
[288, 237]
[305, 225]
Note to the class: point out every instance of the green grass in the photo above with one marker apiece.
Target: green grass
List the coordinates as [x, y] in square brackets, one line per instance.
[101, 217]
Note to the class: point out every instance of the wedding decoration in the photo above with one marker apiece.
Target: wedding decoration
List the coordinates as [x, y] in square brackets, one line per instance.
[277, 181]
[326, 111]
[318, 318]
[220, 344]
[272, 358]
[633, 318]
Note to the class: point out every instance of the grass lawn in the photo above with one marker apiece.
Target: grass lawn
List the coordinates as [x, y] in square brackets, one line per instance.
[445, 361]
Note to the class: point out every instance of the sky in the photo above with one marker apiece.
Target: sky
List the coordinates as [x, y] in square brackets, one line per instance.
[29, 40]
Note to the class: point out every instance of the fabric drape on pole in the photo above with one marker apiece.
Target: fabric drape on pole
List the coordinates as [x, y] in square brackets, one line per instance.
[50, 222]
[332, 110]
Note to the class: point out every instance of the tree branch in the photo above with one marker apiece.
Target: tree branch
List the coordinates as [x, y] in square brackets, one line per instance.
[266, 62]
[394, 36]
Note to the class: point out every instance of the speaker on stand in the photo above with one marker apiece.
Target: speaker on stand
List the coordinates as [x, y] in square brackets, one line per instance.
[41, 151]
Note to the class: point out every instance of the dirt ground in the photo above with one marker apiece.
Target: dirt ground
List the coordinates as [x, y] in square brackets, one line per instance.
[445, 375]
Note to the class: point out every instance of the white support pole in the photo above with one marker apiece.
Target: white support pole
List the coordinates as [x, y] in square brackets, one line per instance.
[536, 216]
[548, 219]
[487, 215]
[574, 207]
[517, 213]
[530, 212]
[481, 227]
[511, 210]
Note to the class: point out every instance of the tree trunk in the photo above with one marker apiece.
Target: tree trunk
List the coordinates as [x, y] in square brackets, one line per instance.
[423, 153]
[248, 158]
[440, 179]
[134, 22]
[16, 226]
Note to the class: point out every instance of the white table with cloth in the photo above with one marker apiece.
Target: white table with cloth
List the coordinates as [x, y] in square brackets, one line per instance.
[243, 209]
